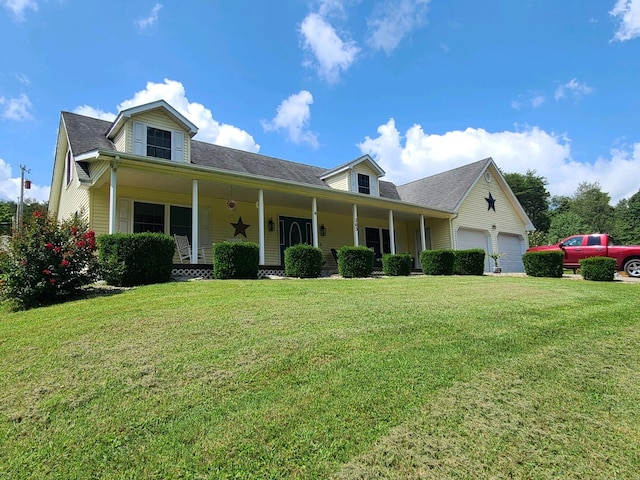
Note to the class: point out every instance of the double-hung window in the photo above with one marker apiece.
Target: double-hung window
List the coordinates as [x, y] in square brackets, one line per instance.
[158, 143]
[363, 184]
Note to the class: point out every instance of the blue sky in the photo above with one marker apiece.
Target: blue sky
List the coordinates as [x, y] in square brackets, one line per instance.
[421, 85]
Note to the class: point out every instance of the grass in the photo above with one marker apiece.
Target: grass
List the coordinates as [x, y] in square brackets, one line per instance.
[419, 377]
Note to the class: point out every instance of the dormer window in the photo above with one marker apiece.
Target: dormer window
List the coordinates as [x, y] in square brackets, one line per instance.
[363, 184]
[158, 143]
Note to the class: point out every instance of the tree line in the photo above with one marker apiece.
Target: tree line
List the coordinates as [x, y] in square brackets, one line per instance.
[8, 213]
[588, 210]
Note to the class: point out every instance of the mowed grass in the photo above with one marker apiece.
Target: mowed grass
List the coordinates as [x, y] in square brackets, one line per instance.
[419, 377]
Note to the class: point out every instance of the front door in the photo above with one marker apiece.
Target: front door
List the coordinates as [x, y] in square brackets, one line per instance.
[294, 231]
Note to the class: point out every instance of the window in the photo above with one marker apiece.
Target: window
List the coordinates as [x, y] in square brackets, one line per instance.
[158, 143]
[148, 217]
[378, 239]
[363, 184]
[180, 223]
[593, 240]
[573, 242]
[69, 166]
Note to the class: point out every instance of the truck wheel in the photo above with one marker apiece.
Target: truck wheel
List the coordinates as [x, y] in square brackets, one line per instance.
[632, 267]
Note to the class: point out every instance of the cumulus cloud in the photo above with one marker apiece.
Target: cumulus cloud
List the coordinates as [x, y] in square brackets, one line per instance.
[173, 92]
[331, 55]
[293, 116]
[417, 154]
[150, 19]
[18, 7]
[10, 186]
[16, 108]
[573, 89]
[392, 21]
[627, 12]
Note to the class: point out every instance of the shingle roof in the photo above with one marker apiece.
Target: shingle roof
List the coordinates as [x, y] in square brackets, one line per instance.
[444, 190]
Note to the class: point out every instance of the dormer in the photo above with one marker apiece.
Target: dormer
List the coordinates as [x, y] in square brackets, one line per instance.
[361, 175]
[153, 130]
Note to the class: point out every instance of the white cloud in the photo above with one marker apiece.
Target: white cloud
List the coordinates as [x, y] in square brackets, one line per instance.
[23, 79]
[89, 111]
[16, 108]
[18, 7]
[332, 55]
[628, 14]
[391, 21]
[293, 116]
[417, 154]
[10, 186]
[151, 19]
[209, 129]
[530, 99]
[573, 88]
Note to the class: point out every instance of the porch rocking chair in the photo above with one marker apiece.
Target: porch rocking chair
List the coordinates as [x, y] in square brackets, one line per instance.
[184, 249]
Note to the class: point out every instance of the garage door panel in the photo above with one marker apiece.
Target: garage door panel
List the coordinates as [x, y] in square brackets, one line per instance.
[468, 239]
[513, 246]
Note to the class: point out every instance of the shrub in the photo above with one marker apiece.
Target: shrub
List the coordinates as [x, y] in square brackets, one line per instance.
[129, 259]
[437, 262]
[235, 260]
[48, 261]
[469, 262]
[302, 260]
[543, 264]
[599, 269]
[396, 265]
[355, 262]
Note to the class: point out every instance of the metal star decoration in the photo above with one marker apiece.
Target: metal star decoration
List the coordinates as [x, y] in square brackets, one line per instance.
[241, 228]
[491, 202]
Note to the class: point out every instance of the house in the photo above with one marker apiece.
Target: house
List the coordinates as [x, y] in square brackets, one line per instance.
[144, 172]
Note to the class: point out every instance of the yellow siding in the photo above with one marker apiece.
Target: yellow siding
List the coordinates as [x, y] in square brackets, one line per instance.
[157, 119]
[474, 213]
[120, 141]
[340, 181]
[73, 200]
[365, 169]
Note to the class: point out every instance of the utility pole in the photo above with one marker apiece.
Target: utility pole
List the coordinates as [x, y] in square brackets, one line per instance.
[20, 209]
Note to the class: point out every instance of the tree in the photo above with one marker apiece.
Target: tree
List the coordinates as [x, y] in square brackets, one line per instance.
[531, 191]
[564, 225]
[592, 205]
[626, 228]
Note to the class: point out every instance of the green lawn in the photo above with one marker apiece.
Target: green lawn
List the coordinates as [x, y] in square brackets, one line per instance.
[419, 377]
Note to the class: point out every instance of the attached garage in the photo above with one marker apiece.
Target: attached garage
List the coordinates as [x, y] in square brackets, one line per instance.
[469, 238]
[513, 246]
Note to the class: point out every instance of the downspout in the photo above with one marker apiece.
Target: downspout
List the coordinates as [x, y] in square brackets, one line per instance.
[451, 219]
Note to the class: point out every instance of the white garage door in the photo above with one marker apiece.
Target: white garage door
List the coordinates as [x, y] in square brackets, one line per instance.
[513, 246]
[468, 239]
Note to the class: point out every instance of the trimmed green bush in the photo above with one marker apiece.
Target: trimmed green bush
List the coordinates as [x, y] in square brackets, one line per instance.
[130, 259]
[302, 260]
[236, 260]
[598, 269]
[355, 262]
[543, 264]
[437, 262]
[396, 265]
[469, 262]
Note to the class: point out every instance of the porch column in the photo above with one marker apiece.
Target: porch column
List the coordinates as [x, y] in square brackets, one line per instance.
[392, 233]
[423, 235]
[112, 199]
[355, 225]
[314, 220]
[194, 221]
[261, 225]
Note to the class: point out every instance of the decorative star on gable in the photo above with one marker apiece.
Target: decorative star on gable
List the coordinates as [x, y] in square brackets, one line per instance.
[491, 203]
[241, 227]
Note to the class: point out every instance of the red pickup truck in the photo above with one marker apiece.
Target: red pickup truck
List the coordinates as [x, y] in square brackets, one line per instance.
[578, 247]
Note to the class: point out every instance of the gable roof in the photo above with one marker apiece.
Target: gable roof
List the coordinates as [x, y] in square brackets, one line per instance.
[444, 190]
[346, 166]
[148, 107]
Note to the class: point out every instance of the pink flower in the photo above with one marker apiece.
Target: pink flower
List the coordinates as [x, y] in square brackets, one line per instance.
[57, 249]
[48, 245]
[46, 271]
[65, 263]
[52, 281]
[38, 214]
[80, 243]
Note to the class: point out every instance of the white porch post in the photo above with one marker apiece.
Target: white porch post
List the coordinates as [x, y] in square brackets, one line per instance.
[112, 199]
[423, 235]
[314, 221]
[261, 225]
[355, 225]
[194, 222]
[392, 233]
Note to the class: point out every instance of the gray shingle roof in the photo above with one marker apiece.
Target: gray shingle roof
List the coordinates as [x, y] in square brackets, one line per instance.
[444, 190]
